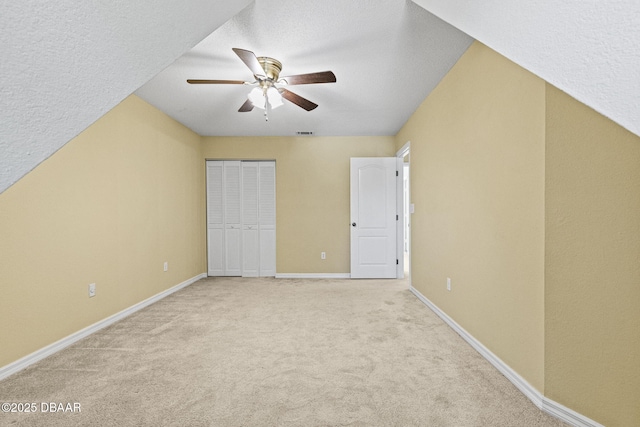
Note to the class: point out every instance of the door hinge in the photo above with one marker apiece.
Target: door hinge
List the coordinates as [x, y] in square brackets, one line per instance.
[397, 173]
[397, 218]
[397, 262]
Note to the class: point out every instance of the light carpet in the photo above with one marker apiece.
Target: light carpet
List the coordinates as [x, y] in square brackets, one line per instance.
[274, 352]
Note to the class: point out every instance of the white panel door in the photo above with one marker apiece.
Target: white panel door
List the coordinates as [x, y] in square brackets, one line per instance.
[250, 243]
[373, 217]
[267, 218]
[215, 218]
[232, 218]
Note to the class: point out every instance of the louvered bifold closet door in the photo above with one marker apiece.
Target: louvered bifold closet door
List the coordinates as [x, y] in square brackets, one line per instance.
[215, 218]
[267, 218]
[232, 218]
[250, 236]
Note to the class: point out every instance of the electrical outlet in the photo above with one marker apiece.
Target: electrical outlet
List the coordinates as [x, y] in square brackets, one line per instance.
[323, 255]
[448, 283]
[166, 266]
[92, 290]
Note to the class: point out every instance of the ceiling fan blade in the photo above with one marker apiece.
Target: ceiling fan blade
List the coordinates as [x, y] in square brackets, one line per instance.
[247, 106]
[215, 82]
[297, 99]
[305, 79]
[250, 60]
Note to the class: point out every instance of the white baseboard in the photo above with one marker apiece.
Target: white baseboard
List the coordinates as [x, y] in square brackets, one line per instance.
[313, 275]
[567, 415]
[547, 405]
[38, 355]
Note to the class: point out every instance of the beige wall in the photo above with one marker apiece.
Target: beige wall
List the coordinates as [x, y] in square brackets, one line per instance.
[109, 208]
[312, 193]
[477, 182]
[592, 353]
[529, 201]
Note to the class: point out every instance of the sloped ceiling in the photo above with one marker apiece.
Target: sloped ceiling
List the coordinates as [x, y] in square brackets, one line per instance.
[66, 63]
[588, 49]
[387, 57]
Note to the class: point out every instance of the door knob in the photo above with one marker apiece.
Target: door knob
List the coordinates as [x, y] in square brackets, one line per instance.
[353, 224]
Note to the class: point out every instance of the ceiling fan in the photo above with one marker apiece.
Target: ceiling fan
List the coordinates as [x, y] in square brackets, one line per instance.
[266, 94]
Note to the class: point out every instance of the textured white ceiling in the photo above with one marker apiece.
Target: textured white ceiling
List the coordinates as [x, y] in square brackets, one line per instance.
[387, 56]
[66, 63]
[589, 49]
[63, 64]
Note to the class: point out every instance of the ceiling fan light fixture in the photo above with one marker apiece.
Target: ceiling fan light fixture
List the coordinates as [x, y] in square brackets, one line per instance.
[256, 96]
[275, 99]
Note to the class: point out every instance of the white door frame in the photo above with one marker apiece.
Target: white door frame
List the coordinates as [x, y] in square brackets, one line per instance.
[401, 154]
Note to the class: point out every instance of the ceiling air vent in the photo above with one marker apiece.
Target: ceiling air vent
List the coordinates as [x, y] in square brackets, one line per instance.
[304, 132]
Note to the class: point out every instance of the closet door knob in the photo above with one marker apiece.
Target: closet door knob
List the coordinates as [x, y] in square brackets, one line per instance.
[353, 224]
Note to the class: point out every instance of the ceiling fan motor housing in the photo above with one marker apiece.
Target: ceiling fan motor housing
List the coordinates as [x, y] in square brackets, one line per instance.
[271, 67]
